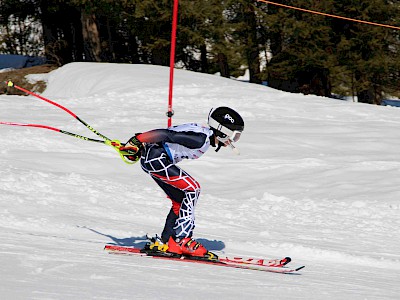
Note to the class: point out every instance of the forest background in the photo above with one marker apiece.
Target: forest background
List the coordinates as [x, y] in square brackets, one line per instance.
[286, 49]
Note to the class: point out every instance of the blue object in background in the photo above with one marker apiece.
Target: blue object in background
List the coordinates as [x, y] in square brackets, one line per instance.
[20, 61]
[389, 102]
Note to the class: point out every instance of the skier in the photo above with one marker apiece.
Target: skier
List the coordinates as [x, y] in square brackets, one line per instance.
[160, 150]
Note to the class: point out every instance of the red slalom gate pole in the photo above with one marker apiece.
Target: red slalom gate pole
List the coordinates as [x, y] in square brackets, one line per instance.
[170, 112]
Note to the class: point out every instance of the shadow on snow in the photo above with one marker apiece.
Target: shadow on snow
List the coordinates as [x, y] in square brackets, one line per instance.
[141, 241]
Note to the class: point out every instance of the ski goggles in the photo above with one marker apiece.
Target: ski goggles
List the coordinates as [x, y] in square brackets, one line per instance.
[229, 135]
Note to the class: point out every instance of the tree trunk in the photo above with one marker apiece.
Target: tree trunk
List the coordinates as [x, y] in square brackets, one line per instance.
[223, 65]
[49, 35]
[204, 61]
[252, 49]
[75, 35]
[366, 96]
[91, 37]
[365, 91]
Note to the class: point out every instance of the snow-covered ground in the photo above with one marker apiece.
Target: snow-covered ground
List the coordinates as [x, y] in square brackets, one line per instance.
[317, 179]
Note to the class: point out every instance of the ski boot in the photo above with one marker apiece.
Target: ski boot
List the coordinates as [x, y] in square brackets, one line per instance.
[190, 248]
[155, 246]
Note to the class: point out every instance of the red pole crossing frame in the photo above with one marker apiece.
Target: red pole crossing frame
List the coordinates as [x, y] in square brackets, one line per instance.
[170, 112]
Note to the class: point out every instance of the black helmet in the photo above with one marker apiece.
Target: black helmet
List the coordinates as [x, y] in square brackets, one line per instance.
[227, 124]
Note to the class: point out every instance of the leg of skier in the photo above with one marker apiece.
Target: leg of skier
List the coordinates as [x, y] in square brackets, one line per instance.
[183, 191]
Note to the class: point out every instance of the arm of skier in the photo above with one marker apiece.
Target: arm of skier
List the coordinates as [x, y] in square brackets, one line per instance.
[189, 139]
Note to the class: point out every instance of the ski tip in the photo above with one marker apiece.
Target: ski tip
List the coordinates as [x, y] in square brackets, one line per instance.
[286, 260]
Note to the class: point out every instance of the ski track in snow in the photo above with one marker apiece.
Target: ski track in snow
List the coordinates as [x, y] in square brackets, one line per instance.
[317, 180]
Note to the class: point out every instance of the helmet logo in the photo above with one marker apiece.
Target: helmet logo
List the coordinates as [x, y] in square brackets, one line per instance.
[227, 116]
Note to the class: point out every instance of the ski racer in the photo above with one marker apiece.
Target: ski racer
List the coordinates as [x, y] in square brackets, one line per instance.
[160, 150]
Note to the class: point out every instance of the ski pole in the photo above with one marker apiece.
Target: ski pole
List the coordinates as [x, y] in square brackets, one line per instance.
[54, 129]
[116, 144]
[11, 84]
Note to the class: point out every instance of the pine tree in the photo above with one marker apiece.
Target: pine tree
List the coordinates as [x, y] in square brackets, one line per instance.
[243, 24]
[316, 54]
[302, 49]
[19, 28]
[369, 53]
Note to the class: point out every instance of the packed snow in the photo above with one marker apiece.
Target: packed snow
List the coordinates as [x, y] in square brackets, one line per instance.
[317, 179]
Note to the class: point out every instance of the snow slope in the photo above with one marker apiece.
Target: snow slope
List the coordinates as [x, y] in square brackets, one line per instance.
[317, 179]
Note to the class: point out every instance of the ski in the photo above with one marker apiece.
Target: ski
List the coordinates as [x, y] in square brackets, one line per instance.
[275, 265]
